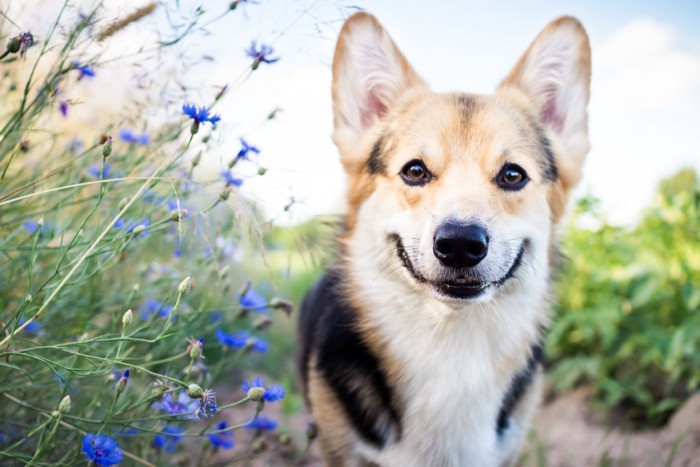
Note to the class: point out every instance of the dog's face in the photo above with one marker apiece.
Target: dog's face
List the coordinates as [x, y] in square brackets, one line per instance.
[464, 191]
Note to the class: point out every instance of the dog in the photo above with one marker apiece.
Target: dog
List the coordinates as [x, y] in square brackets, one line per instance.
[422, 344]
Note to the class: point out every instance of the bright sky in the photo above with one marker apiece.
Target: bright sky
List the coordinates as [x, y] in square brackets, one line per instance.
[644, 111]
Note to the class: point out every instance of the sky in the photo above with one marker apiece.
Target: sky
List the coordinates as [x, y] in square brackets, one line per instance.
[644, 110]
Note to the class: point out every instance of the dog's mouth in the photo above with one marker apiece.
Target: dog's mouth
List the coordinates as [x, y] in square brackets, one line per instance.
[464, 287]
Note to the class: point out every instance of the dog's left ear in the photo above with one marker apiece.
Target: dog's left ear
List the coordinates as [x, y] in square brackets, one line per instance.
[555, 73]
[369, 75]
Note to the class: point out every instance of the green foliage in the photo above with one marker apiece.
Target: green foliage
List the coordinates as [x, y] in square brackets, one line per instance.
[628, 316]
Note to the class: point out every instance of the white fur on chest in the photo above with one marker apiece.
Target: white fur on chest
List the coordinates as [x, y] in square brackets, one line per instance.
[450, 390]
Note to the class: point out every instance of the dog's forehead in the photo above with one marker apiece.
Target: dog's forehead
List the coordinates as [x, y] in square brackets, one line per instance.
[457, 125]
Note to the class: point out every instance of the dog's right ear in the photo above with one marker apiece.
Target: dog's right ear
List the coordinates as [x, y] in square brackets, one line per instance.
[369, 74]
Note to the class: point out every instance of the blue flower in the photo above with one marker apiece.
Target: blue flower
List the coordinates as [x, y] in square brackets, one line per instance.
[94, 170]
[119, 224]
[101, 449]
[131, 137]
[32, 328]
[85, 70]
[246, 148]
[252, 300]
[207, 404]
[63, 108]
[261, 423]
[183, 405]
[261, 55]
[151, 306]
[230, 179]
[168, 439]
[31, 227]
[200, 115]
[271, 394]
[222, 440]
[240, 340]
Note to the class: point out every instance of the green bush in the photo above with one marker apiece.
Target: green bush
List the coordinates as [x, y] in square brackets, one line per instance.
[628, 312]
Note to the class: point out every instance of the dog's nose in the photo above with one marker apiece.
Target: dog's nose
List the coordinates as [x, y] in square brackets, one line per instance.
[460, 245]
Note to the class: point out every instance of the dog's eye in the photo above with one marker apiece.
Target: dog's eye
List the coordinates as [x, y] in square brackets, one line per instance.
[512, 177]
[415, 173]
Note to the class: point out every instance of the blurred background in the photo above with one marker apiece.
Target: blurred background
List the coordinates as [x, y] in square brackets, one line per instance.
[623, 352]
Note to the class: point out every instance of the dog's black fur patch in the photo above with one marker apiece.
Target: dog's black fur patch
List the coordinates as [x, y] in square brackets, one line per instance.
[328, 330]
[521, 381]
[376, 164]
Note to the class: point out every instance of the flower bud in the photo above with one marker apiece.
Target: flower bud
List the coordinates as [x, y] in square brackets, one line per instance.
[281, 304]
[255, 393]
[196, 159]
[122, 203]
[185, 286]
[284, 439]
[178, 214]
[121, 384]
[232, 6]
[311, 431]
[195, 348]
[127, 318]
[259, 445]
[225, 194]
[262, 171]
[64, 405]
[195, 391]
[262, 323]
[14, 44]
[195, 127]
[107, 148]
[138, 230]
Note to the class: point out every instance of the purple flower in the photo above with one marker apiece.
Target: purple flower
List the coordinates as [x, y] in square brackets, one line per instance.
[261, 423]
[85, 70]
[261, 55]
[169, 438]
[246, 148]
[230, 179]
[271, 394]
[63, 108]
[240, 340]
[101, 449]
[94, 170]
[183, 405]
[207, 404]
[222, 440]
[252, 300]
[200, 115]
[32, 227]
[131, 137]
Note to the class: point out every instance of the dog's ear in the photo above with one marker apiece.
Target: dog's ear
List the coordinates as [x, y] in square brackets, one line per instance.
[555, 73]
[369, 74]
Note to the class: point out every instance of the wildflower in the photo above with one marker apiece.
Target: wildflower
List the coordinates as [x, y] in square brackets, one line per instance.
[31, 328]
[64, 405]
[151, 306]
[32, 227]
[96, 170]
[281, 304]
[222, 440]
[107, 147]
[101, 449]
[85, 70]
[181, 405]
[261, 423]
[195, 348]
[121, 383]
[63, 108]
[271, 394]
[195, 391]
[251, 300]
[127, 318]
[20, 44]
[169, 438]
[131, 137]
[261, 55]
[119, 223]
[185, 286]
[198, 116]
[230, 179]
[207, 404]
[240, 340]
[245, 149]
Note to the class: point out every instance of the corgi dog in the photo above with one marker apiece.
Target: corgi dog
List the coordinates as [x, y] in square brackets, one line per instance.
[422, 344]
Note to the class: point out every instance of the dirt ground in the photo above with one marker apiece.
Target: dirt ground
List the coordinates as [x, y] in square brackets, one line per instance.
[564, 435]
